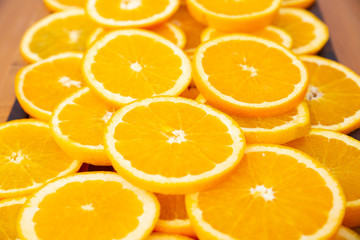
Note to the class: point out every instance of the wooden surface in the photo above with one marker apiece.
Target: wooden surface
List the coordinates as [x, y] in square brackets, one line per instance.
[342, 17]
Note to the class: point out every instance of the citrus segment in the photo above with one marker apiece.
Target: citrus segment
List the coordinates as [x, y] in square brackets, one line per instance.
[61, 32]
[164, 236]
[9, 212]
[297, 3]
[41, 86]
[173, 145]
[279, 190]
[127, 65]
[249, 76]
[234, 15]
[61, 5]
[347, 234]
[78, 125]
[340, 154]
[171, 32]
[308, 32]
[29, 154]
[333, 96]
[89, 206]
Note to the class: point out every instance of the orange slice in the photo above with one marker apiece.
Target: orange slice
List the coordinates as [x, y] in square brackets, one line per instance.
[333, 96]
[271, 33]
[232, 16]
[131, 13]
[89, 206]
[164, 236]
[9, 212]
[173, 145]
[274, 193]
[95, 35]
[61, 5]
[41, 86]
[29, 154]
[127, 65]
[61, 32]
[347, 234]
[173, 216]
[190, 27]
[340, 154]
[309, 33]
[249, 76]
[297, 3]
[78, 125]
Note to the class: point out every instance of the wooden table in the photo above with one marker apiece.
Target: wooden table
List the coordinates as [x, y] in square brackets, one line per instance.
[342, 17]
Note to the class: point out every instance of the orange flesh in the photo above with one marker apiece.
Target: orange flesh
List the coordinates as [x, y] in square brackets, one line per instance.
[142, 138]
[102, 222]
[75, 3]
[339, 95]
[172, 207]
[166, 32]
[9, 215]
[301, 204]
[160, 67]
[275, 75]
[47, 80]
[56, 36]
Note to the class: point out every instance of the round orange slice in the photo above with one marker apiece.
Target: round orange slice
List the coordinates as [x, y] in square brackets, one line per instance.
[347, 234]
[233, 16]
[131, 13]
[61, 32]
[127, 65]
[61, 5]
[165, 236]
[249, 76]
[9, 212]
[333, 96]
[297, 3]
[308, 32]
[78, 125]
[270, 32]
[340, 154]
[279, 190]
[89, 206]
[173, 145]
[29, 157]
[41, 86]
[173, 216]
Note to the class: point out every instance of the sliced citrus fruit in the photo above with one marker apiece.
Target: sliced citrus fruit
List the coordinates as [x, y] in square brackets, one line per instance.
[165, 236]
[173, 145]
[190, 27]
[297, 3]
[89, 206]
[29, 157]
[95, 35]
[60, 32]
[41, 86]
[131, 13]
[78, 125]
[190, 92]
[234, 15]
[249, 76]
[9, 212]
[308, 32]
[279, 190]
[127, 65]
[61, 5]
[333, 96]
[347, 234]
[270, 32]
[340, 154]
[173, 217]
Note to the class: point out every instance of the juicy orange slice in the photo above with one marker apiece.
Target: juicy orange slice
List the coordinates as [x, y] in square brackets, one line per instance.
[333, 96]
[78, 125]
[173, 216]
[127, 65]
[173, 145]
[233, 15]
[270, 32]
[164, 236]
[89, 206]
[347, 234]
[61, 32]
[41, 86]
[340, 154]
[308, 32]
[131, 13]
[249, 76]
[29, 154]
[61, 5]
[279, 190]
[297, 3]
[9, 212]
